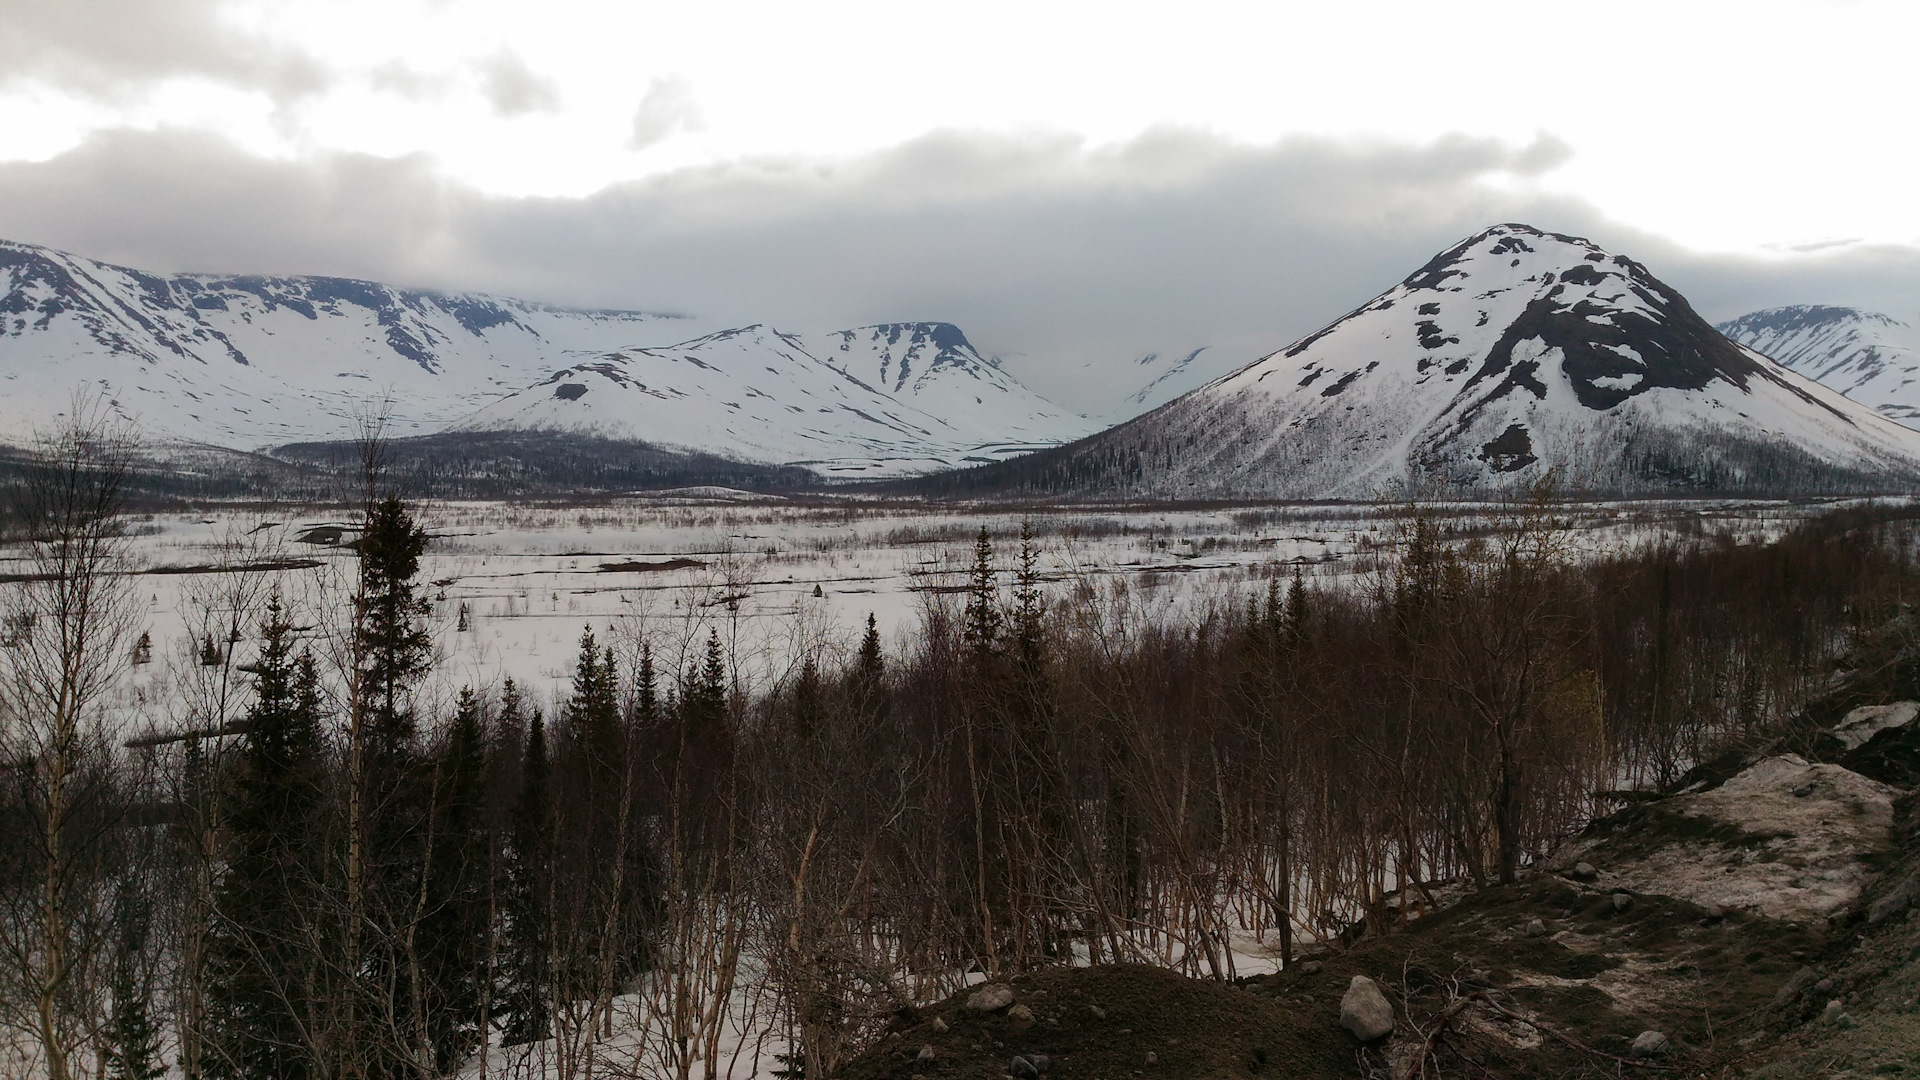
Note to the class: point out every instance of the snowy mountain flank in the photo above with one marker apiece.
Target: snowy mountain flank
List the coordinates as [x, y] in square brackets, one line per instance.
[252, 361]
[877, 401]
[248, 362]
[1513, 352]
[1872, 358]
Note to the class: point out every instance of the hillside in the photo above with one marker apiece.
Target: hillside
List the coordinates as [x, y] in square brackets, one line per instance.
[1871, 358]
[1514, 352]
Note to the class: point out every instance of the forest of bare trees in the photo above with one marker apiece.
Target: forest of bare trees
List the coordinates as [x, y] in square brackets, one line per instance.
[314, 870]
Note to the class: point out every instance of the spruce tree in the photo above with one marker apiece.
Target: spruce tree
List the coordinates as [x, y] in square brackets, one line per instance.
[980, 620]
[451, 939]
[259, 969]
[394, 648]
[524, 960]
[133, 1039]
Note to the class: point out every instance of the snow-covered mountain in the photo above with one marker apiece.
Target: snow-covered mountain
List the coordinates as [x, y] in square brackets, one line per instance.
[1872, 358]
[877, 401]
[246, 362]
[250, 361]
[1513, 352]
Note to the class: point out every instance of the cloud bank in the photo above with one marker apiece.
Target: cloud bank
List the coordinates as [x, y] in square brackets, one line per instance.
[1068, 260]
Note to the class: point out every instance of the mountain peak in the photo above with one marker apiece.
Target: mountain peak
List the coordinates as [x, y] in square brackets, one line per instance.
[1510, 353]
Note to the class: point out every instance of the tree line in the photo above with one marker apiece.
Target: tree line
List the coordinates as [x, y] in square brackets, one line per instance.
[317, 871]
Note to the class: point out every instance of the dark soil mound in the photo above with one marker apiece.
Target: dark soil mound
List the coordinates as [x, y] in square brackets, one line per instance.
[1119, 1021]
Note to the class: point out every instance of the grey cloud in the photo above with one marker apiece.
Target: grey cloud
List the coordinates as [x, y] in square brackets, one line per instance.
[667, 108]
[1067, 260]
[113, 48]
[513, 88]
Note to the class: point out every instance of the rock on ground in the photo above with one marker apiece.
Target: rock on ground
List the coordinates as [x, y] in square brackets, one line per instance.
[1365, 1011]
[991, 998]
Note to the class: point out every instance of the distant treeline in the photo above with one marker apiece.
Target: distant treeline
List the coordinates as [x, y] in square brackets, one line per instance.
[314, 871]
[477, 465]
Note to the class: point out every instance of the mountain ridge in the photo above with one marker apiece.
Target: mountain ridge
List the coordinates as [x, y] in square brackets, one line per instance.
[1870, 357]
[251, 361]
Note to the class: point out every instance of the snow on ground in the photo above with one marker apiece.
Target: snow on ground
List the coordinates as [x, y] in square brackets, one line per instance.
[773, 579]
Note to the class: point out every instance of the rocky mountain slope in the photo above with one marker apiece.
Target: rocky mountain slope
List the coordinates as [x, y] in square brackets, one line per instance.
[247, 362]
[1872, 358]
[1514, 352]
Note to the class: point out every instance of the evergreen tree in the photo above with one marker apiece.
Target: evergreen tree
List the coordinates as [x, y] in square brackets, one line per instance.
[259, 970]
[451, 938]
[394, 644]
[394, 649]
[133, 1040]
[527, 973]
[1029, 610]
[646, 689]
[980, 621]
[871, 664]
[868, 684]
[807, 703]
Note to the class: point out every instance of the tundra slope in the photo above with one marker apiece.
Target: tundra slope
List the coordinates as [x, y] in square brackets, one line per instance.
[1514, 352]
[1872, 358]
[247, 362]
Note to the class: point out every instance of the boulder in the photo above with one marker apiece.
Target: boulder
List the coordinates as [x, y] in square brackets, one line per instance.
[1649, 1044]
[926, 1053]
[991, 998]
[1365, 1011]
[1534, 928]
[1622, 901]
[1895, 902]
[1021, 1016]
[1583, 871]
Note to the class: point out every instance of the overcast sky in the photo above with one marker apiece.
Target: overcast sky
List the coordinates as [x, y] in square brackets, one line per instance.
[1074, 184]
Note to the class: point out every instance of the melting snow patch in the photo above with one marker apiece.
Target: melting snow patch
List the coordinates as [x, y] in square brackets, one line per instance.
[1862, 724]
[1784, 839]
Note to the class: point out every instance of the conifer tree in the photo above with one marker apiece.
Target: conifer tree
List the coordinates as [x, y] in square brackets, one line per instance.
[980, 620]
[133, 1039]
[259, 968]
[451, 938]
[527, 973]
[871, 663]
[394, 650]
